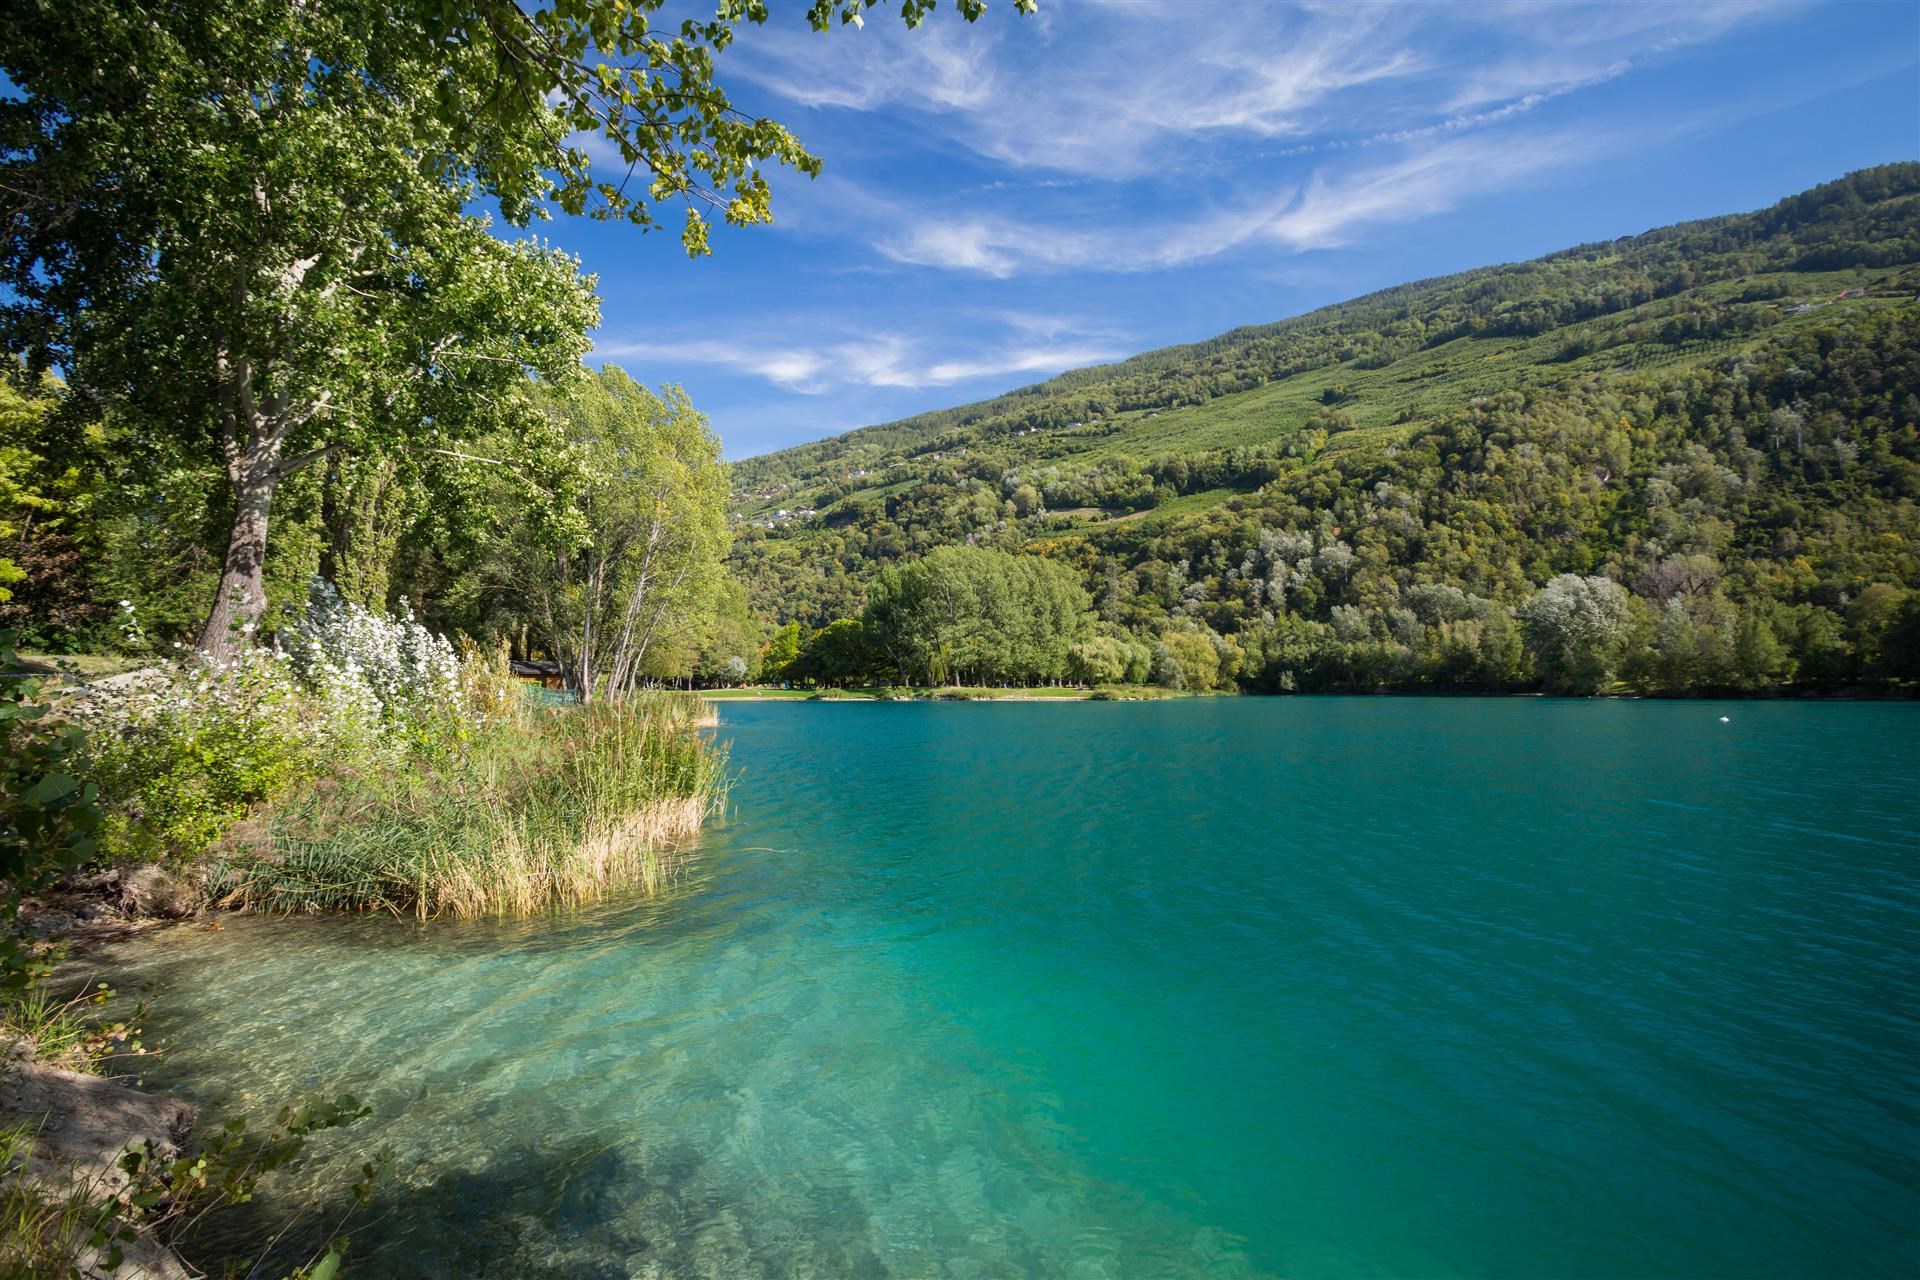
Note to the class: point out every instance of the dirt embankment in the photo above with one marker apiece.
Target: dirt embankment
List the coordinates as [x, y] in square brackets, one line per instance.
[82, 1126]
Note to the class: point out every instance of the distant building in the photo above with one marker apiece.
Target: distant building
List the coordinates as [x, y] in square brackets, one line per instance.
[545, 673]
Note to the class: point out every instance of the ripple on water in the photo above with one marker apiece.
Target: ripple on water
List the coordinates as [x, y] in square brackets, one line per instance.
[1316, 987]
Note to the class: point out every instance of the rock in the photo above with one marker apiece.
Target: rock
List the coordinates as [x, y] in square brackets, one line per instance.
[152, 890]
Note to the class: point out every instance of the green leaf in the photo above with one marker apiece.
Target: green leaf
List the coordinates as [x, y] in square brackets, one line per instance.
[50, 788]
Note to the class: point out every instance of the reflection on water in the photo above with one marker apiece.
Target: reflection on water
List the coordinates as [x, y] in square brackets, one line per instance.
[1317, 987]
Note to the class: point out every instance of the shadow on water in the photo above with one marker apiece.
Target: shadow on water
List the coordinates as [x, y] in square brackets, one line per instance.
[571, 1210]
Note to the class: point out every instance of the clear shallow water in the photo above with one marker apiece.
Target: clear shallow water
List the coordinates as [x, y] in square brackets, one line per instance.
[1306, 987]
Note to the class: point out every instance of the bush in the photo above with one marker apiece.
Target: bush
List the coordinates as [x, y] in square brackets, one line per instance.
[373, 666]
[49, 817]
[181, 751]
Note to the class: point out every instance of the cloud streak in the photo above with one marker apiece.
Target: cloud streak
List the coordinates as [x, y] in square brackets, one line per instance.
[884, 360]
[1330, 209]
[1125, 91]
[1149, 136]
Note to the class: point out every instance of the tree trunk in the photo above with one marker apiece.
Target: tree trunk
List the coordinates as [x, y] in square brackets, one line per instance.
[241, 600]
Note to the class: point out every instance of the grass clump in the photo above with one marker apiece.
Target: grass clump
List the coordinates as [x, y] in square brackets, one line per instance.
[547, 809]
[46, 1231]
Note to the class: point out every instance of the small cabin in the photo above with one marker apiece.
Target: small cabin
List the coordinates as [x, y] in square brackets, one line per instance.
[545, 673]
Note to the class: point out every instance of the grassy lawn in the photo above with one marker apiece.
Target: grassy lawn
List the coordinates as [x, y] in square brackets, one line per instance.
[758, 694]
[87, 666]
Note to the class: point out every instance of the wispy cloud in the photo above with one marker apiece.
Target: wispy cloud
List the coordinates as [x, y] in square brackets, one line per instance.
[1109, 99]
[1141, 88]
[886, 360]
[1545, 48]
[1295, 127]
[1329, 209]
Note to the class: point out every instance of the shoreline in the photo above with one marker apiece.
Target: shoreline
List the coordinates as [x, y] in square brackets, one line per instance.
[719, 697]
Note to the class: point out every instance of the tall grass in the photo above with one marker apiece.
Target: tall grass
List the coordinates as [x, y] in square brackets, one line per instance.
[546, 809]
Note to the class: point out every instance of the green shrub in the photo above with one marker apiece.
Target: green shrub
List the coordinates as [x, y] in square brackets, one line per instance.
[49, 815]
[182, 751]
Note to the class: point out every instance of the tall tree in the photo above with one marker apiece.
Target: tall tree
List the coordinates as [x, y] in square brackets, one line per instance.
[1575, 628]
[247, 226]
[640, 562]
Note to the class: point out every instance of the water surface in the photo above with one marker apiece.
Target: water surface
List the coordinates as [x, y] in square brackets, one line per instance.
[1308, 987]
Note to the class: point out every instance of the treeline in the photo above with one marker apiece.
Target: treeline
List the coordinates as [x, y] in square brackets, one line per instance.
[1749, 526]
[596, 539]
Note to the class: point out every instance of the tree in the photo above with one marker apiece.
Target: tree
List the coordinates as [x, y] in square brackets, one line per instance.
[782, 650]
[837, 654]
[639, 561]
[973, 614]
[1098, 660]
[1900, 640]
[1575, 628]
[1186, 659]
[258, 248]
[730, 649]
[51, 466]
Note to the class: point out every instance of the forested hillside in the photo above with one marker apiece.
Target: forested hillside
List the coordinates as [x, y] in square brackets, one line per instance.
[1684, 460]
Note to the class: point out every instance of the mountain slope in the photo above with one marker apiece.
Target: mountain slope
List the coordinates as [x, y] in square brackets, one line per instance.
[1649, 300]
[1160, 476]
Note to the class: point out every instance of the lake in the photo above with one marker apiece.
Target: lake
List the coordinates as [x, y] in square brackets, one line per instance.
[1221, 987]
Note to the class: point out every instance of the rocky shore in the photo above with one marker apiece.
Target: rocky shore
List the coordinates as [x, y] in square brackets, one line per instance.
[82, 1125]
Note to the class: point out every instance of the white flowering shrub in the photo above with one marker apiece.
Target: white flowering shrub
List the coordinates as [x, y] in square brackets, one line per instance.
[371, 667]
[179, 752]
[184, 749]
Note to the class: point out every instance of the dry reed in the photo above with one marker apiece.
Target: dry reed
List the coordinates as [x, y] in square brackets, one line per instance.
[547, 810]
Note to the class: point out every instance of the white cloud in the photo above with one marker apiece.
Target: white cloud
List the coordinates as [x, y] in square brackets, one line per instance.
[888, 360]
[1107, 98]
[1332, 207]
[1125, 90]
[1547, 49]
[1295, 127]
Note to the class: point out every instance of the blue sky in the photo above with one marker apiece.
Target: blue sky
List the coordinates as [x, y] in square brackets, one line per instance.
[1010, 199]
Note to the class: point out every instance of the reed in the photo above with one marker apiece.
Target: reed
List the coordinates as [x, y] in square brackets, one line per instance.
[543, 810]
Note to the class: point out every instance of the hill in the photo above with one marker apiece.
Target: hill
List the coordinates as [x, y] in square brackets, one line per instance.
[1740, 390]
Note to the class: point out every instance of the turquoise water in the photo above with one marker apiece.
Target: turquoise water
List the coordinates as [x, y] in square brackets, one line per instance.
[1306, 987]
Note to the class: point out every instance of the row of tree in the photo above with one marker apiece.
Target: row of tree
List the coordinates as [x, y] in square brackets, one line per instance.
[602, 548]
[1576, 635]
